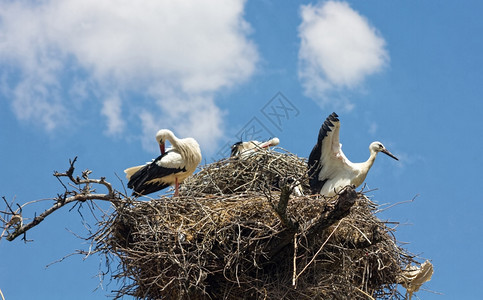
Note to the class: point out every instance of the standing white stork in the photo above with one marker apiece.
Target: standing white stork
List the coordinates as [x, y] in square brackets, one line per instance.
[170, 168]
[329, 169]
[245, 148]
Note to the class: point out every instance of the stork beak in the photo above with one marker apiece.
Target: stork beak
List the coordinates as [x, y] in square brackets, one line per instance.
[270, 143]
[389, 154]
[265, 145]
[161, 148]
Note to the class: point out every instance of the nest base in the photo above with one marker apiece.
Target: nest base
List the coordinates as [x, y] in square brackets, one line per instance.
[220, 241]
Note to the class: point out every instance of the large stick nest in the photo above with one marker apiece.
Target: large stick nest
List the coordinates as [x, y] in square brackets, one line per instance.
[229, 236]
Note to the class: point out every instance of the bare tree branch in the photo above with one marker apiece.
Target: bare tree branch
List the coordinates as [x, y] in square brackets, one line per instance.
[82, 193]
[281, 208]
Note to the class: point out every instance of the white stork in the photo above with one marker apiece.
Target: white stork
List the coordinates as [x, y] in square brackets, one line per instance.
[329, 169]
[170, 168]
[246, 148]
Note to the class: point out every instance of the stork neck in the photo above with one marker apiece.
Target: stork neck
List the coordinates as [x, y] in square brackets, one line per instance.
[370, 161]
[173, 140]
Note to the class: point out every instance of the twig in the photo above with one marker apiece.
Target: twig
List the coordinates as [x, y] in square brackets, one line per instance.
[365, 294]
[61, 259]
[397, 203]
[8, 205]
[294, 273]
[318, 251]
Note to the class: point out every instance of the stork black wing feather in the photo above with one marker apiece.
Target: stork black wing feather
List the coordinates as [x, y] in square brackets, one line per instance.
[333, 117]
[234, 148]
[314, 166]
[138, 181]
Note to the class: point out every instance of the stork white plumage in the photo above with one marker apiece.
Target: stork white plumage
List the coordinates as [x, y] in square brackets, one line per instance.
[329, 169]
[244, 149]
[170, 168]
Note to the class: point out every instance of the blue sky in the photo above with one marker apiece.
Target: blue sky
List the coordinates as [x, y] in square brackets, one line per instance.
[97, 79]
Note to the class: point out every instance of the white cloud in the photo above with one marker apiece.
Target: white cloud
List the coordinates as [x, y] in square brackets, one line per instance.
[39, 101]
[181, 49]
[201, 119]
[373, 128]
[339, 49]
[111, 109]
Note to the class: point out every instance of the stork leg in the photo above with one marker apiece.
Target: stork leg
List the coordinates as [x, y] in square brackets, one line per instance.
[176, 187]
